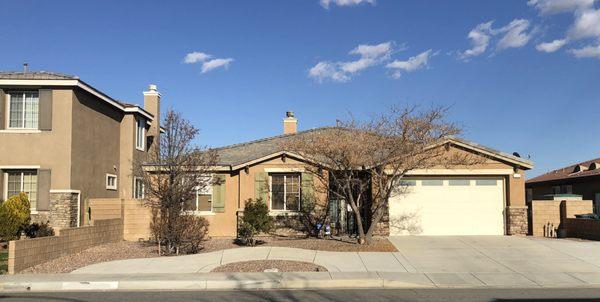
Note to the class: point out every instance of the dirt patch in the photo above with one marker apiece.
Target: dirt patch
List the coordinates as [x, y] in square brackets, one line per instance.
[129, 250]
[101, 253]
[258, 266]
[344, 244]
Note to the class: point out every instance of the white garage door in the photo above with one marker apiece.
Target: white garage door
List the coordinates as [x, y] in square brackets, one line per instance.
[449, 206]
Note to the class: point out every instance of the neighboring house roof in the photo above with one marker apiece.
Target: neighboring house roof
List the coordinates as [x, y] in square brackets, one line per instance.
[59, 79]
[36, 75]
[248, 152]
[583, 169]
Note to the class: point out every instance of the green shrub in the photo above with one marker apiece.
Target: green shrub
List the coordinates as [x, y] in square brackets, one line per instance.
[256, 220]
[36, 230]
[14, 216]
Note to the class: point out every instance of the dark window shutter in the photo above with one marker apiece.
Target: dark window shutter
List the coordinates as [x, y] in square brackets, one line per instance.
[45, 110]
[3, 113]
[1, 185]
[261, 189]
[43, 190]
[218, 202]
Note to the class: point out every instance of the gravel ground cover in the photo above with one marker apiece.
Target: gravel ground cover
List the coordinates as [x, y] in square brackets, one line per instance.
[129, 250]
[101, 253]
[269, 265]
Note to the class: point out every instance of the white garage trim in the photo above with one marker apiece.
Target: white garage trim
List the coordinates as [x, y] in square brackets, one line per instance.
[461, 172]
[434, 207]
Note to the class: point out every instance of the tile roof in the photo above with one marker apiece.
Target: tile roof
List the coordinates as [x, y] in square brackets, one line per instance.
[569, 172]
[238, 154]
[35, 75]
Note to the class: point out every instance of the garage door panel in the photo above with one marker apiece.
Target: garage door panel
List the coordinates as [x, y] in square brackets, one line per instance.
[449, 210]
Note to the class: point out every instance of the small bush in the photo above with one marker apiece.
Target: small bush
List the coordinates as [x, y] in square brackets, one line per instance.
[14, 216]
[36, 230]
[195, 231]
[256, 220]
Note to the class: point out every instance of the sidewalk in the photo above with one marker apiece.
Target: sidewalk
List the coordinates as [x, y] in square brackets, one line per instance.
[316, 280]
[204, 263]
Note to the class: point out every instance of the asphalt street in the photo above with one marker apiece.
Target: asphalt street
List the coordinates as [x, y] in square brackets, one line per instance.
[464, 295]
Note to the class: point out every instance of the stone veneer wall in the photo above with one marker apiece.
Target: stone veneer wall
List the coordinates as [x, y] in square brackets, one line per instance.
[29, 252]
[517, 222]
[63, 209]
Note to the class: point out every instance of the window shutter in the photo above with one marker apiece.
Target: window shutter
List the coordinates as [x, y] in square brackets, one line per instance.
[45, 110]
[1, 185]
[261, 189]
[218, 202]
[43, 190]
[307, 187]
[3, 113]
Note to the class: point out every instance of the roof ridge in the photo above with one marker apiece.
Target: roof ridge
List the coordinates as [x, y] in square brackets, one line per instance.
[271, 138]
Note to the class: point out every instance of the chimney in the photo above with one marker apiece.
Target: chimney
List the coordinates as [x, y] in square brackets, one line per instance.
[25, 67]
[152, 105]
[290, 123]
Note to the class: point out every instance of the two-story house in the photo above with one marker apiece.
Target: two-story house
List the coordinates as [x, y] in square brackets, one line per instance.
[63, 142]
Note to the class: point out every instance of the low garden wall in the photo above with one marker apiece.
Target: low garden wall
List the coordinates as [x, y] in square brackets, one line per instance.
[582, 228]
[29, 252]
[136, 216]
[544, 212]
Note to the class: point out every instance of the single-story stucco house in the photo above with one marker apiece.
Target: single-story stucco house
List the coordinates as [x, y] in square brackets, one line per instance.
[485, 199]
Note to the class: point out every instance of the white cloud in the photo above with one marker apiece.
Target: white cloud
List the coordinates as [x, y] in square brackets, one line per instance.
[327, 3]
[370, 55]
[327, 70]
[413, 63]
[208, 63]
[515, 36]
[215, 63]
[586, 25]
[480, 39]
[551, 46]
[587, 52]
[551, 7]
[195, 57]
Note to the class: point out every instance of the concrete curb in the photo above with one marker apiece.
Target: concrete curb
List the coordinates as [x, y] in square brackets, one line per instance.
[228, 281]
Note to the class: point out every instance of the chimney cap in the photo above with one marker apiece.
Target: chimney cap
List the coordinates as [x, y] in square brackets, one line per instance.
[152, 87]
[289, 114]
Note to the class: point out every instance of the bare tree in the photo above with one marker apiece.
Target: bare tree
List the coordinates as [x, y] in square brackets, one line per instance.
[171, 174]
[367, 160]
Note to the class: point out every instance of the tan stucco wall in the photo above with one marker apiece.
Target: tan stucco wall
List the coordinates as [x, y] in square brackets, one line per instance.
[95, 146]
[47, 149]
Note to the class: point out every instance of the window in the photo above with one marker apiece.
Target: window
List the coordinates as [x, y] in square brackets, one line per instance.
[285, 192]
[566, 189]
[138, 188]
[111, 182]
[432, 182]
[556, 190]
[459, 182]
[140, 134]
[408, 182]
[486, 182]
[203, 201]
[23, 110]
[22, 181]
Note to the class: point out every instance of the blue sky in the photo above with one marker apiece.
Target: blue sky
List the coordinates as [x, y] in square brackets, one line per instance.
[250, 61]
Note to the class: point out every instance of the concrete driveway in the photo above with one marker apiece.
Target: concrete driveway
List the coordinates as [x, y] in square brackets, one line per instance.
[502, 258]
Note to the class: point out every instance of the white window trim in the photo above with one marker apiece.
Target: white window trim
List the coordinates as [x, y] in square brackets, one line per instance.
[285, 209]
[135, 188]
[113, 188]
[7, 101]
[137, 128]
[5, 189]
